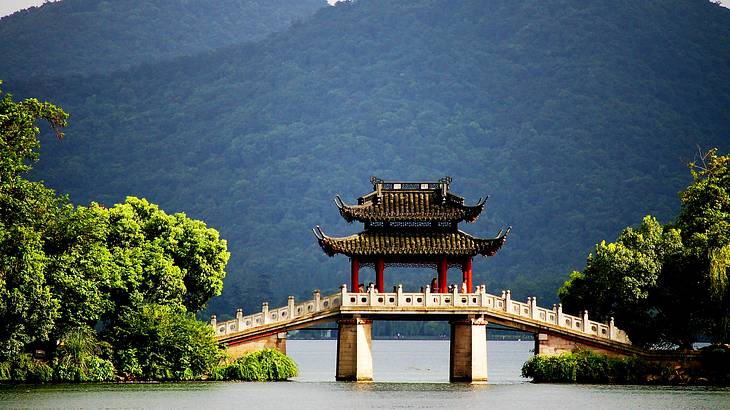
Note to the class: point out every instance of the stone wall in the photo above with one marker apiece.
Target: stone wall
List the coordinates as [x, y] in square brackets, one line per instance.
[276, 341]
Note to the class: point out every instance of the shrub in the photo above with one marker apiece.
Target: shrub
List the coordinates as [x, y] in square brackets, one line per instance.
[4, 371]
[77, 358]
[39, 372]
[127, 363]
[588, 367]
[159, 342]
[551, 369]
[23, 368]
[593, 368]
[264, 365]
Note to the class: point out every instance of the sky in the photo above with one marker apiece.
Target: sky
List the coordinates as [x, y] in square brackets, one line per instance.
[11, 6]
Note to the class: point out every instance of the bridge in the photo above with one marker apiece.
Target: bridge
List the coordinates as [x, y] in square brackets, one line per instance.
[468, 314]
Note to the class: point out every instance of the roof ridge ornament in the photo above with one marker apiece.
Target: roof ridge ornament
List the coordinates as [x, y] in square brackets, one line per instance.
[339, 202]
[318, 233]
[444, 183]
[506, 233]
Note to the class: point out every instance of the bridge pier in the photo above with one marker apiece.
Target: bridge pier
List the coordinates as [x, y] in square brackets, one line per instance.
[273, 341]
[468, 358]
[354, 350]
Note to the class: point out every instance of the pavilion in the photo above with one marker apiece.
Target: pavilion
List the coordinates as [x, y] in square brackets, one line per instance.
[411, 224]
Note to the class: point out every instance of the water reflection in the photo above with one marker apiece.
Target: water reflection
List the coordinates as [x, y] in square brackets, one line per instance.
[409, 360]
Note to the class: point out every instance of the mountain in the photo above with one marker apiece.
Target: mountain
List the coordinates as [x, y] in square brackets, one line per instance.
[86, 36]
[577, 117]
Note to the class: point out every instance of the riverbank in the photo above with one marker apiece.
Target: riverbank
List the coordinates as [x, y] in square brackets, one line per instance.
[262, 366]
[407, 374]
[708, 366]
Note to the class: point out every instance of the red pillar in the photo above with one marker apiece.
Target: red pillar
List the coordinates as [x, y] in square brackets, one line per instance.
[467, 267]
[443, 276]
[379, 268]
[354, 272]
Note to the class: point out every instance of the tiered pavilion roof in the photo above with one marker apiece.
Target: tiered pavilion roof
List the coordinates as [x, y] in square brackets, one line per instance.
[411, 223]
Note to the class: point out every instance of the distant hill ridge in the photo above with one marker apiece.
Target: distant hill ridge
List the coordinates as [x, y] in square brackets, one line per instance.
[577, 117]
[94, 36]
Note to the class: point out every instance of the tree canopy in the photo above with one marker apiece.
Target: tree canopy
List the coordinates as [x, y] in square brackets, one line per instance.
[131, 271]
[666, 284]
[28, 309]
[704, 220]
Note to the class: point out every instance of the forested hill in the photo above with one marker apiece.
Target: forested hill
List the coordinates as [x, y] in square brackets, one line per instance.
[577, 116]
[85, 36]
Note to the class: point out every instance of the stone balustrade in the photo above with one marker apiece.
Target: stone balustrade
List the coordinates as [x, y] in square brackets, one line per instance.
[283, 314]
[399, 300]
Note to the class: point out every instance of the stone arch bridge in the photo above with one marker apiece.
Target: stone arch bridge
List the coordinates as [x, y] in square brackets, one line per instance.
[468, 314]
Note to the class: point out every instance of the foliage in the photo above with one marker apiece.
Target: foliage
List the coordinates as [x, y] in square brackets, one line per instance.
[164, 259]
[22, 368]
[103, 36]
[550, 369]
[64, 270]
[588, 367]
[264, 365]
[27, 309]
[81, 270]
[669, 286]
[19, 134]
[619, 278]
[5, 371]
[79, 357]
[163, 342]
[704, 219]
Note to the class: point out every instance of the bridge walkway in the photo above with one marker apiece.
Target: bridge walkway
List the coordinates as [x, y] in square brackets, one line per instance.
[503, 310]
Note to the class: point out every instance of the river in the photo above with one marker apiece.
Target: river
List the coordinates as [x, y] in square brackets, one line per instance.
[408, 374]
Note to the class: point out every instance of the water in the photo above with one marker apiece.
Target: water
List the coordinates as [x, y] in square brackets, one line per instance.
[409, 374]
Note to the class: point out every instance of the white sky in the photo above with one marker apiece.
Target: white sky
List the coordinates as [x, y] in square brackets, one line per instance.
[11, 6]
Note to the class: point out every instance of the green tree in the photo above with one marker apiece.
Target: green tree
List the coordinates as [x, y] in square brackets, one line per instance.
[27, 308]
[167, 259]
[65, 269]
[620, 277]
[20, 141]
[82, 271]
[704, 219]
[667, 285]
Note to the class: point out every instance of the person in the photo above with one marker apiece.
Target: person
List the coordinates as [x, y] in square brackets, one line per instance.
[463, 287]
[434, 286]
[361, 288]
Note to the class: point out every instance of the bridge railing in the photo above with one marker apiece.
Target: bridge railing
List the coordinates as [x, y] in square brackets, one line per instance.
[481, 299]
[270, 316]
[399, 299]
